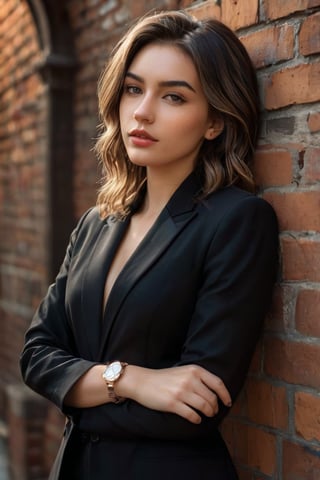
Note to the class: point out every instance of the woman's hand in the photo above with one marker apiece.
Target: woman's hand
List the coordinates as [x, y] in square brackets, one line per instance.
[184, 390]
[188, 390]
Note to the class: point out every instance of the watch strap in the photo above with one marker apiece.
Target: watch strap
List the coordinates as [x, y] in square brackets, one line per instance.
[110, 383]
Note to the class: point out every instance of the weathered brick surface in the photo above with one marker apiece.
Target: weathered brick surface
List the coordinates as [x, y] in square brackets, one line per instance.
[275, 9]
[307, 312]
[310, 173]
[266, 404]
[275, 320]
[207, 9]
[300, 461]
[300, 258]
[293, 85]
[310, 35]
[293, 362]
[273, 168]
[307, 415]
[239, 13]
[23, 184]
[297, 210]
[270, 45]
[243, 439]
[271, 431]
[314, 122]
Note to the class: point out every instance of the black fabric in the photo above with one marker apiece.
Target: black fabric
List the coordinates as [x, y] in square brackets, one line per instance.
[86, 459]
[196, 290]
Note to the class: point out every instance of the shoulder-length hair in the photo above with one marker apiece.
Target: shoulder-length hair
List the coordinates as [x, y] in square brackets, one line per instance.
[229, 83]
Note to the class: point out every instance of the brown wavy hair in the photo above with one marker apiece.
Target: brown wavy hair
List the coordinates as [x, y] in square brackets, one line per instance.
[229, 83]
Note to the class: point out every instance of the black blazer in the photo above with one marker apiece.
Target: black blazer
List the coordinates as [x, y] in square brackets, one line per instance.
[196, 290]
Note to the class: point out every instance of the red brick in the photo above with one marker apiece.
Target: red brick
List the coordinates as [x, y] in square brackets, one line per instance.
[272, 167]
[255, 448]
[307, 415]
[307, 313]
[310, 174]
[314, 122]
[276, 9]
[275, 319]
[206, 9]
[300, 462]
[294, 362]
[266, 404]
[239, 13]
[179, 3]
[296, 210]
[244, 474]
[300, 258]
[227, 431]
[281, 314]
[92, 44]
[238, 406]
[310, 35]
[53, 429]
[270, 45]
[293, 85]
[249, 447]
[256, 361]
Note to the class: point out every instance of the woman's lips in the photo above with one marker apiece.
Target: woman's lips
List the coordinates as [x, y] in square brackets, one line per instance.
[141, 138]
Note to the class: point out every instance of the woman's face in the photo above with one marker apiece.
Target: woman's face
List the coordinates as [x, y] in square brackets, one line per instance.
[164, 115]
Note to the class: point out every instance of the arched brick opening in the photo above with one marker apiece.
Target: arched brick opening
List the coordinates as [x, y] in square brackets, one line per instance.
[23, 183]
[271, 430]
[37, 65]
[56, 65]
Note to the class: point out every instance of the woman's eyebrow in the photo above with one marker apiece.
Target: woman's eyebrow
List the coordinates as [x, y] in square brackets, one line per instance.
[166, 83]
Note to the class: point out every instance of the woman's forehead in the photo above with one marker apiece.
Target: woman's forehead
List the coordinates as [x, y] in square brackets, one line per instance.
[164, 62]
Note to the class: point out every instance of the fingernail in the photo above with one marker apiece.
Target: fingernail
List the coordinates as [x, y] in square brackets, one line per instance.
[229, 404]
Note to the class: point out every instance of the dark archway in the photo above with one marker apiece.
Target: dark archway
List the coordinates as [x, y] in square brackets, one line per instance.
[57, 67]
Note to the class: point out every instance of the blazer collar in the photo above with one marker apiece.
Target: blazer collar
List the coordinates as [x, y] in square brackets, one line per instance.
[184, 198]
[99, 260]
[178, 212]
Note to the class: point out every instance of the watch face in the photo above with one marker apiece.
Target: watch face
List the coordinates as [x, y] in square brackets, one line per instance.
[113, 371]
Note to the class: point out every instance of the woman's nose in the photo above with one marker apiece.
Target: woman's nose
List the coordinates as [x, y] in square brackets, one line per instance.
[144, 111]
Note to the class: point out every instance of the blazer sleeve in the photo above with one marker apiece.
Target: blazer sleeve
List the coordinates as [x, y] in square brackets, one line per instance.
[48, 363]
[238, 276]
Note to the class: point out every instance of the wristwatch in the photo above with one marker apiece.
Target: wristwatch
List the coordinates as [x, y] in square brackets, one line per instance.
[112, 373]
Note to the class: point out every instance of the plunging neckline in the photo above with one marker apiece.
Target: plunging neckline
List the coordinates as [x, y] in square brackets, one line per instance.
[181, 201]
[129, 259]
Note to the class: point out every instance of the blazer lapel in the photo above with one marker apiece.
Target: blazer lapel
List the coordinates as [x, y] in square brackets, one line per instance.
[93, 284]
[179, 211]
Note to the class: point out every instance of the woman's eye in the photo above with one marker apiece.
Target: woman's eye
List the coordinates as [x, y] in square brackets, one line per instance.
[132, 89]
[174, 98]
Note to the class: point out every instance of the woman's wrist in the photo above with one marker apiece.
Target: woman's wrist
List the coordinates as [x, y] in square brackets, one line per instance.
[128, 383]
[89, 390]
[111, 376]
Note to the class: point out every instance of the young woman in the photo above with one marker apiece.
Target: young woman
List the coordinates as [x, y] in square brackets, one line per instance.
[146, 336]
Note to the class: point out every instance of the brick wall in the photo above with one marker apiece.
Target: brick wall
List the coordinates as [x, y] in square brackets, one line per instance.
[23, 225]
[273, 429]
[22, 182]
[97, 25]
[273, 432]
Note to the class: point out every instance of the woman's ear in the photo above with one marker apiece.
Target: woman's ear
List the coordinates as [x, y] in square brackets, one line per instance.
[215, 128]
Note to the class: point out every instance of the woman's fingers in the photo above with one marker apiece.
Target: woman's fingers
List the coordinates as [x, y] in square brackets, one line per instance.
[188, 390]
[211, 381]
[216, 385]
[194, 405]
[184, 411]
[199, 402]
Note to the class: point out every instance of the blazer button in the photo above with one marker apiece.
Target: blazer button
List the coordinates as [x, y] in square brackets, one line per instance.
[94, 437]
